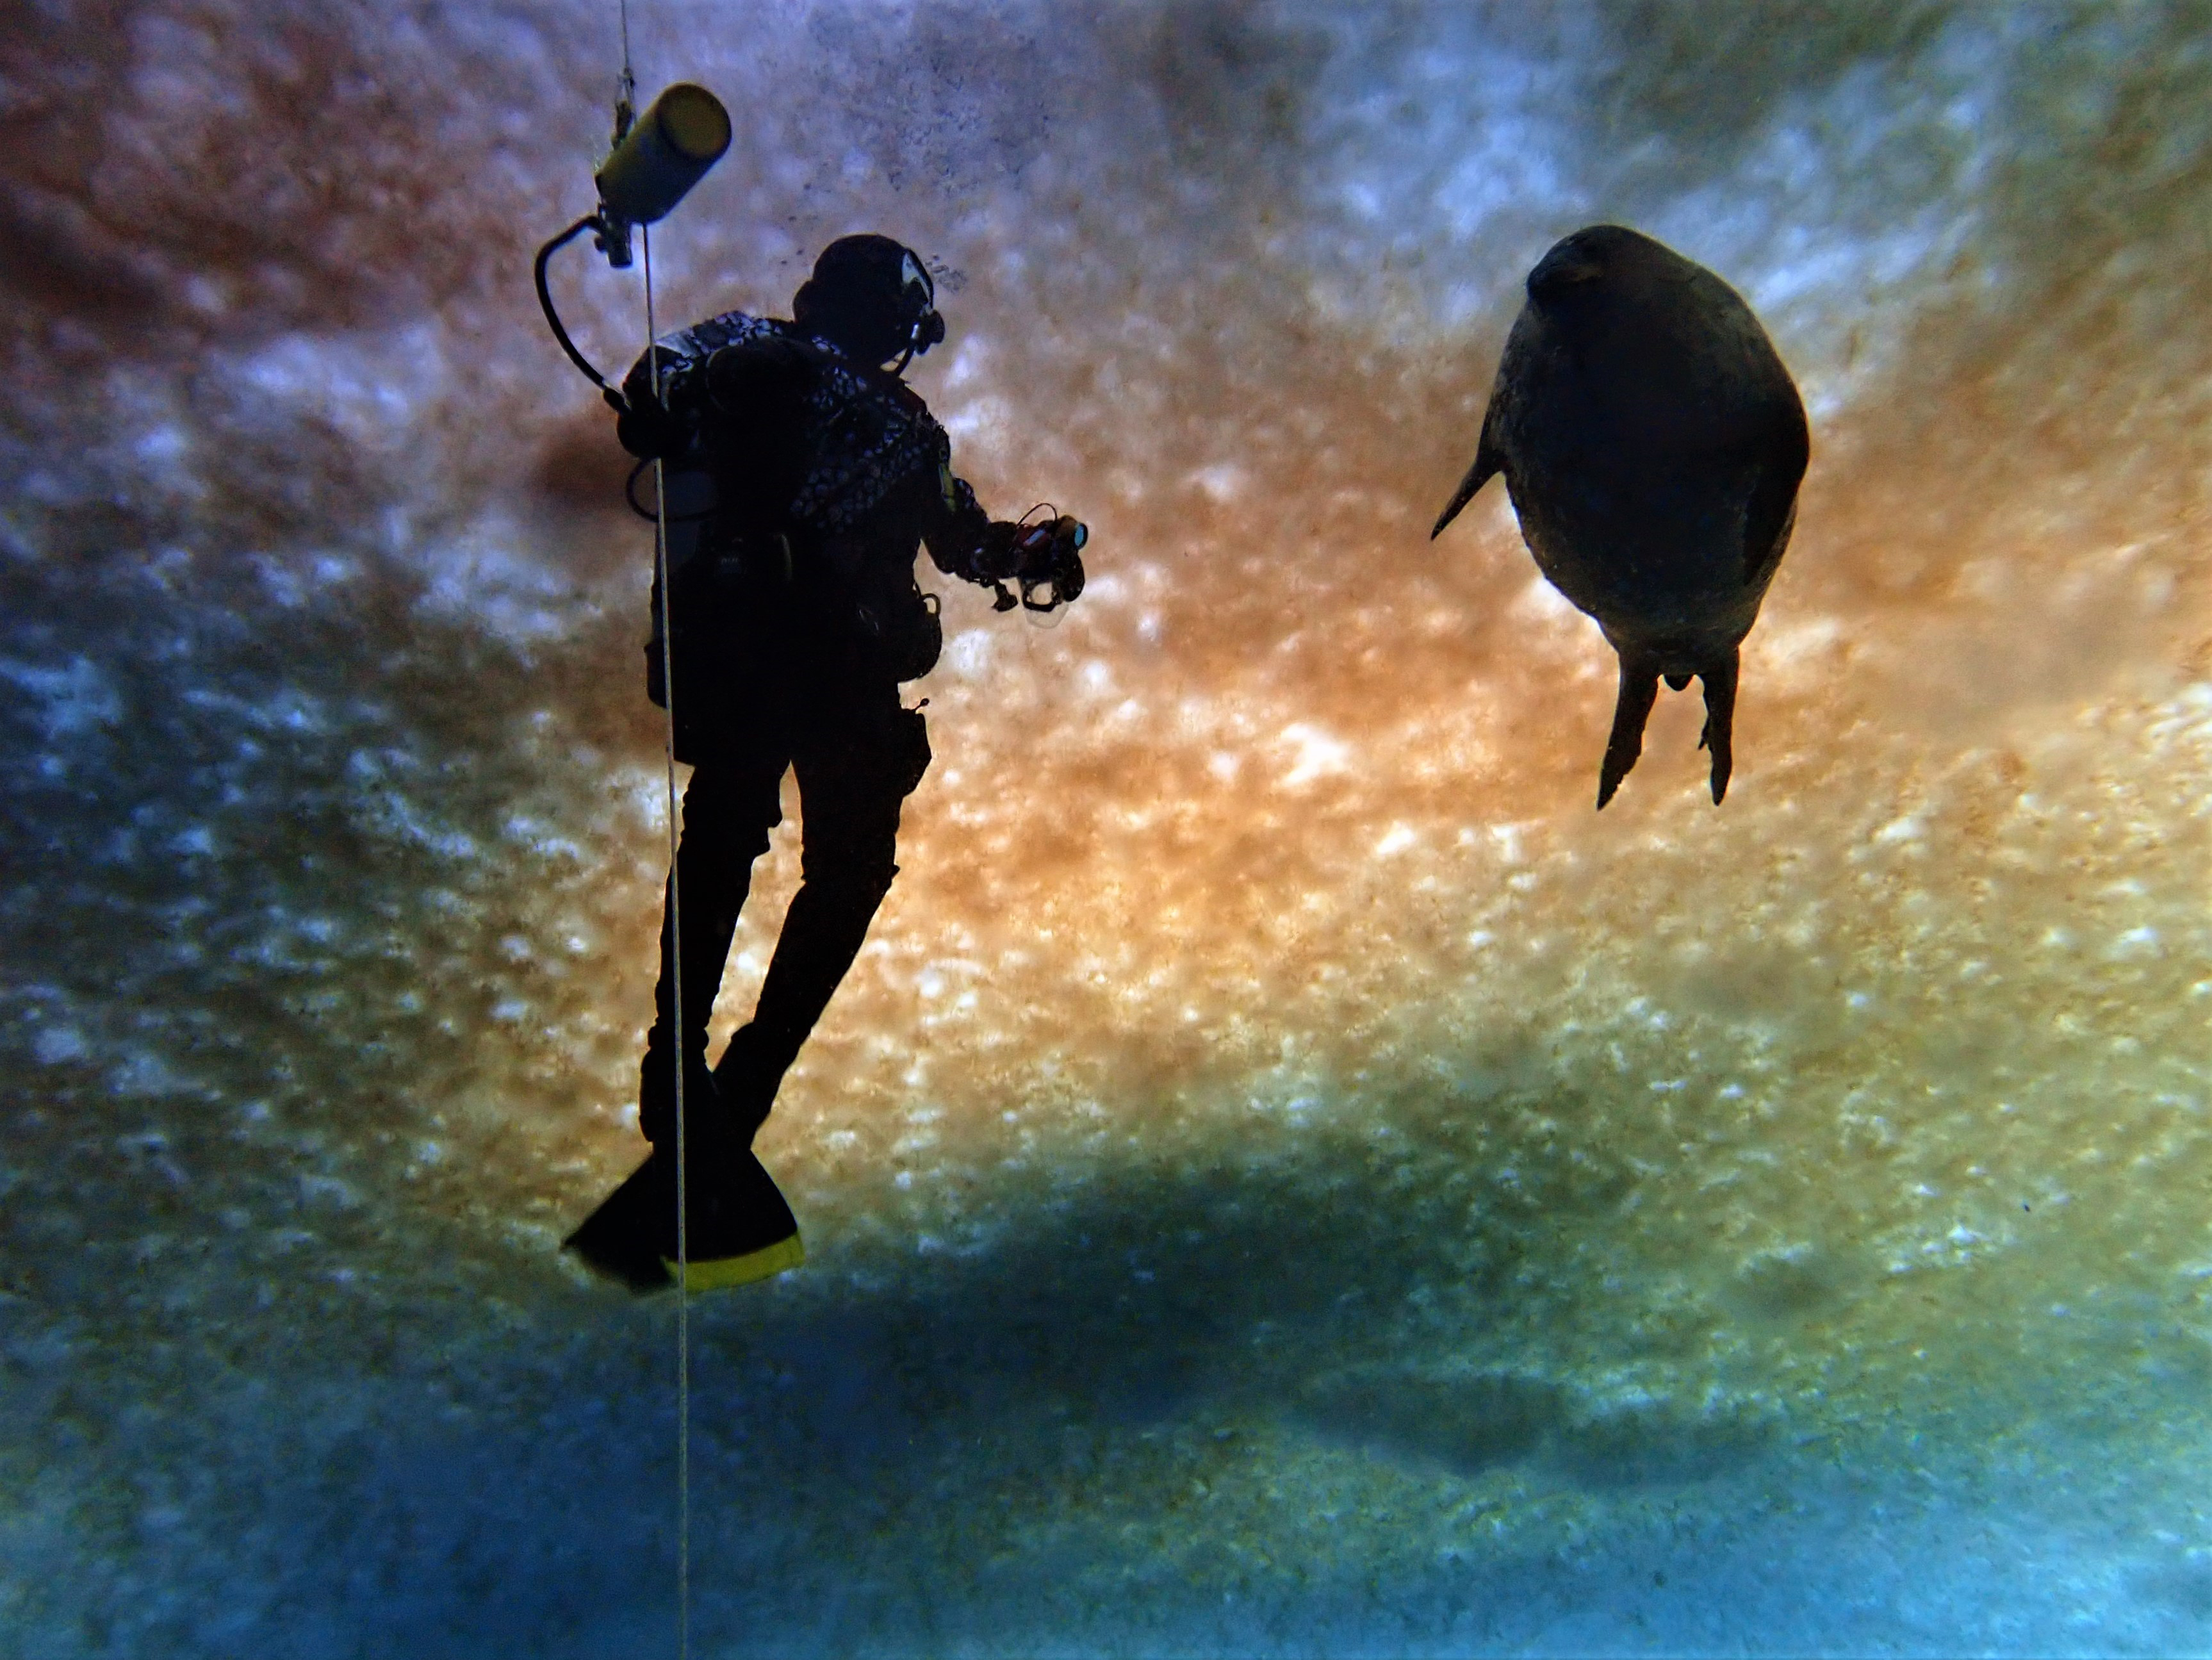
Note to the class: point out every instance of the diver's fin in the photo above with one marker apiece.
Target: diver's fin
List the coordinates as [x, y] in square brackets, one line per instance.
[740, 1230]
[741, 1234]
[1488, 461]
[749, 1267]
[619, 1239]
[1639, 689]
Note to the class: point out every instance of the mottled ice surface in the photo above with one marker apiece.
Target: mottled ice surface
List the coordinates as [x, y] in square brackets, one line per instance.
[1284, 1177]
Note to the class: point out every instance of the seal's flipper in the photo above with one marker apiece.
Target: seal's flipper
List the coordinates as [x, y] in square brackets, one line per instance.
[741, 1229]
[1720, 721]
[1639, 689]
[1488, 460]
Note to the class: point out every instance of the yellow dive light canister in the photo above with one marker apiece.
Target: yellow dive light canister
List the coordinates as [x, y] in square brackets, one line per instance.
[683, 132]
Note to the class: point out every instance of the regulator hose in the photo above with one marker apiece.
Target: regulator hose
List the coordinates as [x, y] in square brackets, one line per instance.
[589, 221]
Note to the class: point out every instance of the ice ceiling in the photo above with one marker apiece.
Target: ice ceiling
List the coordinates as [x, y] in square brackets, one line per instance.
[1284, 1170]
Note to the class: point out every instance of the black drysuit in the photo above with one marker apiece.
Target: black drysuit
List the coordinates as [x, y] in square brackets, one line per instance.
[799, 485]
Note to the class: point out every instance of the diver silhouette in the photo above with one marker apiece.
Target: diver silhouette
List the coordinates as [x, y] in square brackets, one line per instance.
[802, 473]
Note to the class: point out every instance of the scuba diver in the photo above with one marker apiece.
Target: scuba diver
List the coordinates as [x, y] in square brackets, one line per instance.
[801, 472]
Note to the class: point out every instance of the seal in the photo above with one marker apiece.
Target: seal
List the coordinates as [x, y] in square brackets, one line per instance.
[1652, 443]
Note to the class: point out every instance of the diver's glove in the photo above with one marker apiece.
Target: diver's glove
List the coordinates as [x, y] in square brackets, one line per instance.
[1042, 556]
[646, 427]
[659, 427]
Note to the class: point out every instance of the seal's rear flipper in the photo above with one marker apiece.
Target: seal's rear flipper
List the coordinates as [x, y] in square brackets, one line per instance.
[1639, 689]
[1720, 721]
[741, 1229]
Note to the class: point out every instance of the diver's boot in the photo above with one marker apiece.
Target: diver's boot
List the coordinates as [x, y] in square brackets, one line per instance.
[656, 1095]
[746, 1081]
[735, 1227]
[631, 1237]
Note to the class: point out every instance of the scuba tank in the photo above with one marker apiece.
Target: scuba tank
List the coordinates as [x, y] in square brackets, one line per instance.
[655, 161]
[652, 167]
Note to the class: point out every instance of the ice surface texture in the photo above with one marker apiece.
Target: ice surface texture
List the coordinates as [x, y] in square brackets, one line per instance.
[1285, 1176]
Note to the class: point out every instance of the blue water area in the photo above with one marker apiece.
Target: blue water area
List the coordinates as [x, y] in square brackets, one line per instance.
[1284, 1176]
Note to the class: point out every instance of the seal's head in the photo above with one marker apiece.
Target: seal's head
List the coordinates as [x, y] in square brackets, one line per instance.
[1598, 258]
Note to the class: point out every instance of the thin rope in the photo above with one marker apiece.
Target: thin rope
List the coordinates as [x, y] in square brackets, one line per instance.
[628, 81]
[676, 1001]
[663, 579]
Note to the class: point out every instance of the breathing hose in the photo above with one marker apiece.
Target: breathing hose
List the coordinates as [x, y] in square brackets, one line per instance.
[589, 221]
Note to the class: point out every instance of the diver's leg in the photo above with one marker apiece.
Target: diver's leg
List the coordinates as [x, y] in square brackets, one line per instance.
[852, 780]
[729, 809]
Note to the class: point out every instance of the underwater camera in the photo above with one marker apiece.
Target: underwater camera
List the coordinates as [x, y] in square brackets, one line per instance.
[1043, 556]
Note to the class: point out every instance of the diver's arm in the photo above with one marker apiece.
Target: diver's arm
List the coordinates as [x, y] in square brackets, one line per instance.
[966, 542]
[961, 540]
[646, 429]
[1041, 556]
[655, 423]
[647, 422]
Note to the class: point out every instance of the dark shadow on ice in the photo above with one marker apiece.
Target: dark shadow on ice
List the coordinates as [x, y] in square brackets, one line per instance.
[1472, 1421]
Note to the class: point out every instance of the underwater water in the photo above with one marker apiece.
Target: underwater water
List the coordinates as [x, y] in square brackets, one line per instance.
[1286, 1175]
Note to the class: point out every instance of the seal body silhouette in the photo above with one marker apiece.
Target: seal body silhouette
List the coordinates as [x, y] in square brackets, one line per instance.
[1652, 443]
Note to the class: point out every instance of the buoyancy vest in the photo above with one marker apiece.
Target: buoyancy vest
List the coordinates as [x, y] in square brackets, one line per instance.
[816, 459]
